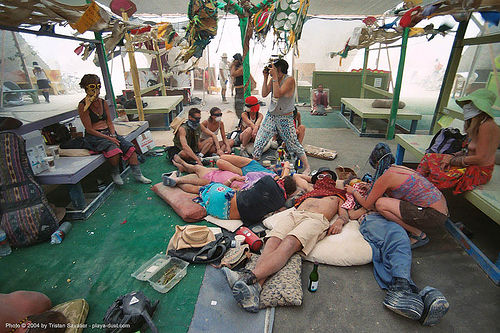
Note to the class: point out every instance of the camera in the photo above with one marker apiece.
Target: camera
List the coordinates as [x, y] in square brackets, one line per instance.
[270, 63]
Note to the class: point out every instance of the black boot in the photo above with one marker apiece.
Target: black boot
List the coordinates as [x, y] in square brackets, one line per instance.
[46, 95]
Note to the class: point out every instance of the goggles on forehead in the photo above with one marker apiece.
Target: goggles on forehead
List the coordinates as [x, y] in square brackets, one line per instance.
[251, 105]
[324, 175]
[217, 115]
[93, 85]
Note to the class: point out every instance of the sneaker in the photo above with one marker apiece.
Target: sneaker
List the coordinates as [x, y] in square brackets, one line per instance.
[233, 276]
[247, 296]
[404, 303]
[142, 179]
[401, 299]
[435, 306]
[117, 179]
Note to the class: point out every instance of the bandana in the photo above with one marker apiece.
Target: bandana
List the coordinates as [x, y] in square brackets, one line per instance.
[325, 187]
[470, 111]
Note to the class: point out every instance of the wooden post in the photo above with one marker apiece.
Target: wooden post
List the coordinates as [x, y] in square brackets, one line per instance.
[3, 69]
[391, 127]
[246, 60]
[363, 73]
[134, 72]
[160, 68]
[23, 61]
[449, 74]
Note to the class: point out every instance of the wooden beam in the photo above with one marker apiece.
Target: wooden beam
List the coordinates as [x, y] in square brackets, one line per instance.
[23, 61]
[48, 34]
[133, 71]
[148, 89]
[378, 91]
[363, 73]
[488, 39]
[449, 75]
[160, 68]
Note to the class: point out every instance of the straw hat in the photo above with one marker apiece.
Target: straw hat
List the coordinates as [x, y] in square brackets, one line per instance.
[189, 236]
[482, 98]
[224, 55]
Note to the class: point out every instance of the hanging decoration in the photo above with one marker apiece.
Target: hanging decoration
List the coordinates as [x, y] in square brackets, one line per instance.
[262, 22]
[288, 19]
[202, 27]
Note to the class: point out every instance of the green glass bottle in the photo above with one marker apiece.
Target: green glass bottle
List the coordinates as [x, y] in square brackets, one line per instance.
[313, 279]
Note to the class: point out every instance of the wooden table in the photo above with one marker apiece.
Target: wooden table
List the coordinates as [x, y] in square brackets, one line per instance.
[160, 105]
[363, 108]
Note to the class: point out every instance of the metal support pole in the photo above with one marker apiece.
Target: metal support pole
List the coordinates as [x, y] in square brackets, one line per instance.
[391, 127]
[246, 60]
[449, 75]
[363, 73]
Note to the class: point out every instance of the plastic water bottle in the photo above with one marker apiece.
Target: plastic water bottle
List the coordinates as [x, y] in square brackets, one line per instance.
[5, 249]
[58, 235]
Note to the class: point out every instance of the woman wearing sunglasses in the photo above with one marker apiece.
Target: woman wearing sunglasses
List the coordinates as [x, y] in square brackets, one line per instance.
[100, 133]
[214, 125]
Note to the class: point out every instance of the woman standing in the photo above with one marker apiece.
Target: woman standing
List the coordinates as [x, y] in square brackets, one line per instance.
[100, 132]
[42, 81]
[410, 201]
[473, 165]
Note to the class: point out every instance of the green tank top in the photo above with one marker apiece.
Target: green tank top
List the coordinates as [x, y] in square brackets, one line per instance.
[192, 137]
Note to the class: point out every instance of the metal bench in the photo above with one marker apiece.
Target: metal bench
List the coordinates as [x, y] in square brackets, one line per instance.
[71, 170]
[363, 108]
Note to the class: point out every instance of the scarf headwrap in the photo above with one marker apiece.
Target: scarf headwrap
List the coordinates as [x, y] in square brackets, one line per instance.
[325, 187]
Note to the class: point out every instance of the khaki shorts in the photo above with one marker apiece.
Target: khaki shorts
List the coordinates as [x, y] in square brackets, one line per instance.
[307, 227]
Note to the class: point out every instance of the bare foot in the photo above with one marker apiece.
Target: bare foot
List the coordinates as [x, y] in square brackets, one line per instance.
[177, 158]
[179, 166]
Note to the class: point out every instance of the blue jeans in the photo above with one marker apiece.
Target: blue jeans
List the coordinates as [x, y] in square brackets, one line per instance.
[391, 249]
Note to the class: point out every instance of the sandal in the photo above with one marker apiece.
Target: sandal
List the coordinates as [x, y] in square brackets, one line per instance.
[420, 241]
[167, 181]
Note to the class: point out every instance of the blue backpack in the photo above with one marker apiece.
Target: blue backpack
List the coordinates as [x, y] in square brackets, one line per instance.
[446, 141]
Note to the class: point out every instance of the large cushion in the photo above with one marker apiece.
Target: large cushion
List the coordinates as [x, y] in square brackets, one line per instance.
[284, 288]
[76, 312]
[386, 104]
[345, 249]
[181, 202]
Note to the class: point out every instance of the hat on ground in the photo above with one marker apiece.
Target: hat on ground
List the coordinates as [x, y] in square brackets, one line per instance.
[224, 55]
[314, 178]
[483, 99]
[189, 236]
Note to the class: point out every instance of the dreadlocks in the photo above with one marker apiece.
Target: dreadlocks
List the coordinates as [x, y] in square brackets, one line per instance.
[381, 159]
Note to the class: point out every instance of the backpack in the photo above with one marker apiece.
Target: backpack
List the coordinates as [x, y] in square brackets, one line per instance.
[26, 216]
[129, 313]
[446, 141]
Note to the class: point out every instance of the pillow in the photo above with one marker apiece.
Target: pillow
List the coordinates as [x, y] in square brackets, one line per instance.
[73, 152]
[345, 249]
[181, 202]
[386, 104]
[76, 312]
[284, 288]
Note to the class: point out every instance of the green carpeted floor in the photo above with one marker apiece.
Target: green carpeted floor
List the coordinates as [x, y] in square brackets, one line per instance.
[99, 254]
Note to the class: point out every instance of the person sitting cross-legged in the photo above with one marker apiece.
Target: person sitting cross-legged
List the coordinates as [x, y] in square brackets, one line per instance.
[300, 231]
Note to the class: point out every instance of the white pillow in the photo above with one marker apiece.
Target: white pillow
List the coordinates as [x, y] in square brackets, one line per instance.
[345, 249]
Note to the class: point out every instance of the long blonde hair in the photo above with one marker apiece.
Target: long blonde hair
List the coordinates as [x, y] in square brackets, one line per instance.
[471, 126]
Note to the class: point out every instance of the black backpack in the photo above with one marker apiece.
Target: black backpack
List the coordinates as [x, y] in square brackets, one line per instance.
[129, 313]
[209, 253]
[446, 141]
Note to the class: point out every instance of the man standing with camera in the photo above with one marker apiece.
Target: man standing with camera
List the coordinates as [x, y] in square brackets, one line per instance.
[279, 118]
[237, 75]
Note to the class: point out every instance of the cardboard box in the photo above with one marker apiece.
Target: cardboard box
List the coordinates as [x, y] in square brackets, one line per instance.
[145, 142]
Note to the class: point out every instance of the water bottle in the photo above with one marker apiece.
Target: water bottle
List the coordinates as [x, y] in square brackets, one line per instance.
[58, 235]
[5, 249]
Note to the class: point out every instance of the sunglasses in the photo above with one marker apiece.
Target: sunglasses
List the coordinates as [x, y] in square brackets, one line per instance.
[324, 175]
[217, 114]
[93, 86]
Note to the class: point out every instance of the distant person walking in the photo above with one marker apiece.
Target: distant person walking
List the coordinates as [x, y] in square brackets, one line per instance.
[224, 74]
[237, 75]
[42, 80]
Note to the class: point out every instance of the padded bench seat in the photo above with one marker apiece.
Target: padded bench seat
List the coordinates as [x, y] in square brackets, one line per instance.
[33, 93]
[363, 108]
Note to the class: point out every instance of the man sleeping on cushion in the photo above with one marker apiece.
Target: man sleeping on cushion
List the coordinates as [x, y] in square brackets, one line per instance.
[300, 231]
